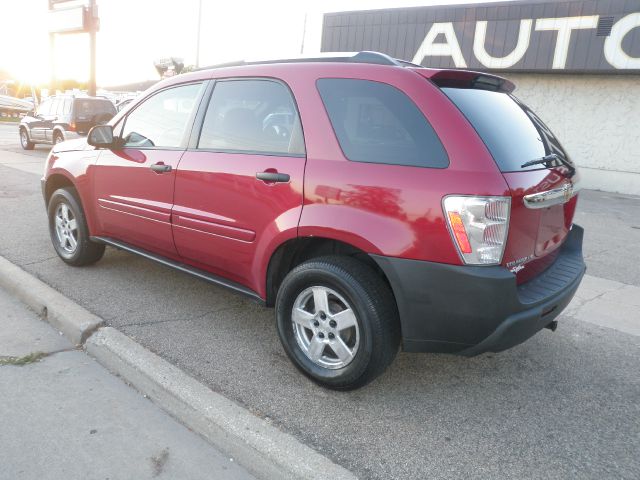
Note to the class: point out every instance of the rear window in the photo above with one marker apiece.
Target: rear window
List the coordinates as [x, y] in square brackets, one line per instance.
[377, 123]
[511, 131]
[89, 108]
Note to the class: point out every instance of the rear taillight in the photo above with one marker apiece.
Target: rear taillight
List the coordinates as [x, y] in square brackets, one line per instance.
[479, 227]
[72, 127]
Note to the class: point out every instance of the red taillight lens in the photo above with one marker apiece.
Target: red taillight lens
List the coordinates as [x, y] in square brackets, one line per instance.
[72, 126]
[459, 232]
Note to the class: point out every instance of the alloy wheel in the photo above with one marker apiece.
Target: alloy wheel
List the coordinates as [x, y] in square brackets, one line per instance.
[326, 328]
[66, 228]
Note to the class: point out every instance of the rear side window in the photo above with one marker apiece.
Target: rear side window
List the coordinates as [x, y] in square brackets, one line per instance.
[252, 116]
[54, 106]
[377, 123]
[67, 106]
[512, 132]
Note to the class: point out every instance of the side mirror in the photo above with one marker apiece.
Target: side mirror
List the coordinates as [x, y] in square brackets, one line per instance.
[101, 136]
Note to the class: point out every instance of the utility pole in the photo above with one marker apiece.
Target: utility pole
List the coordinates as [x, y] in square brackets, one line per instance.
[52, 62]
[93, 27]
[198, 40]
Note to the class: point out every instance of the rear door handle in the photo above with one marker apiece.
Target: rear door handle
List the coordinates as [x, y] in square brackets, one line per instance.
[273, 177]
[160, 168]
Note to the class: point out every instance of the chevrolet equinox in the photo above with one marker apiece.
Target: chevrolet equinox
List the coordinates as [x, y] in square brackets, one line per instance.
[376, 204]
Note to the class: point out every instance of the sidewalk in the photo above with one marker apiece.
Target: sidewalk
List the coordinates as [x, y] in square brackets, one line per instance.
[65, 417]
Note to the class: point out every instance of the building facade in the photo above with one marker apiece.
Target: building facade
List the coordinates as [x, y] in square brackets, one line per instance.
[576, 63]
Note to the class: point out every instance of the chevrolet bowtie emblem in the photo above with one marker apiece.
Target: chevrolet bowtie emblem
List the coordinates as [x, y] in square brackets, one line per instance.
[567, 191]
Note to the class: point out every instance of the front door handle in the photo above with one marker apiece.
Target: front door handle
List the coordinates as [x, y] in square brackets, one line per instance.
[273, 177]
[160, 167]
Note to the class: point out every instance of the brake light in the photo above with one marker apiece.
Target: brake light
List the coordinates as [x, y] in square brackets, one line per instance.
[479, 227]
[72, 127]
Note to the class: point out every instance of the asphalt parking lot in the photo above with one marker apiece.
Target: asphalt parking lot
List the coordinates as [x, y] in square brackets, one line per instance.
[562, 405]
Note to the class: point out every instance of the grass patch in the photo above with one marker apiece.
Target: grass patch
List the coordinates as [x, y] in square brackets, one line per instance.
[21, 361]
[10, 119]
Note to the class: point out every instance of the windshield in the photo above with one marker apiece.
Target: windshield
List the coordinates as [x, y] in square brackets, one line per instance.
[512, 132]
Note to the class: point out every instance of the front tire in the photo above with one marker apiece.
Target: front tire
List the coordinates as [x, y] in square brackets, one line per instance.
[337, 321]
[25, 143]
[69, 231]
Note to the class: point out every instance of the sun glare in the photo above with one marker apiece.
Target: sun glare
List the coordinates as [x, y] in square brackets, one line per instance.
[134, 33]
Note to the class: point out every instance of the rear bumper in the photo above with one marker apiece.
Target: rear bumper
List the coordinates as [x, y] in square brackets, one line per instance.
[470, 310]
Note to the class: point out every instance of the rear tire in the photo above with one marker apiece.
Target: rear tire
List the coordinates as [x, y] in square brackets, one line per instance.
[337, 321]
[57, 138]
[69, 231]
[25, 142]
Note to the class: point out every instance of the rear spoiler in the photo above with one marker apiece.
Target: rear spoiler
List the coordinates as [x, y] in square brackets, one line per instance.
[467, 79]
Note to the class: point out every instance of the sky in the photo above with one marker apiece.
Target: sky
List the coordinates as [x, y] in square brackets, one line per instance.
[133, 33]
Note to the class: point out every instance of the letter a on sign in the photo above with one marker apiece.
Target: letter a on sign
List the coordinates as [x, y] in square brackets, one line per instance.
[451, 48]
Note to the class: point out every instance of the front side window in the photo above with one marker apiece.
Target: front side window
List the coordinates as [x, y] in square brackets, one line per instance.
[44, 108]
[254, 116]
[162, 120]
[377, 123]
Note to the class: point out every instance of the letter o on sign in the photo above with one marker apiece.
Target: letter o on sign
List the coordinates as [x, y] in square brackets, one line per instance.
[613, 51]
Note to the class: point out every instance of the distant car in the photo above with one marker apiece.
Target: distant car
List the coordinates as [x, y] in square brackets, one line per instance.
[121, 105]
[62, 118]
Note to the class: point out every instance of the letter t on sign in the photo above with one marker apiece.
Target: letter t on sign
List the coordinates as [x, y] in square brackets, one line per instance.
[565, 26]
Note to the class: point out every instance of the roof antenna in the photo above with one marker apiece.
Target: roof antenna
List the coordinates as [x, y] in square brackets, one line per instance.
[304, 33]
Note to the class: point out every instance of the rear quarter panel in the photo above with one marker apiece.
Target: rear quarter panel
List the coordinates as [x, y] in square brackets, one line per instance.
[387, 209]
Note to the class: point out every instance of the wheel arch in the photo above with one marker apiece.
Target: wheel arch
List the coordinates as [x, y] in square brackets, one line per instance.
[295, 251]
[58, 130]
[25, 128]
[54, 182]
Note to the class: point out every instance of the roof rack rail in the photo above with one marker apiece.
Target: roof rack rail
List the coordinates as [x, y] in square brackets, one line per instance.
[376, 58]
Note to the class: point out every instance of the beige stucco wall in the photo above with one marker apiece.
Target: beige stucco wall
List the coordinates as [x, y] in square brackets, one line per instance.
[597, 119]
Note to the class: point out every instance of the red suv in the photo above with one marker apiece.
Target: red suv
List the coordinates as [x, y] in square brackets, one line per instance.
[371, 201]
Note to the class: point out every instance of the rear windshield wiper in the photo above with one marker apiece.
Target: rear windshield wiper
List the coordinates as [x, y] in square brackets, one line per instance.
[550, 158]
[546, 159]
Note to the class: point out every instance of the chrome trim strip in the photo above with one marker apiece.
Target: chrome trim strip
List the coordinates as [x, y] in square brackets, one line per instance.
[556, 196]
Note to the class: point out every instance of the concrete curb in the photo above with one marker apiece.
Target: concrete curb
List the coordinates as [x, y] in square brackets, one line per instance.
[65, 315]
[255, 444]
[258, 446]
